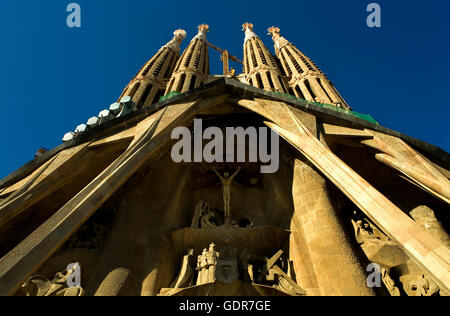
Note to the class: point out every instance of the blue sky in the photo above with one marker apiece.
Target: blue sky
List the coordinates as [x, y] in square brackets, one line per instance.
[54, 78]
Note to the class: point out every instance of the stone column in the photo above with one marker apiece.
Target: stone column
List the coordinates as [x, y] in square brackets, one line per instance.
[336, 267]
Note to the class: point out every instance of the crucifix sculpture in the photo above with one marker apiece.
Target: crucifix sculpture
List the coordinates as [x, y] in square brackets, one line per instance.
[226, 183]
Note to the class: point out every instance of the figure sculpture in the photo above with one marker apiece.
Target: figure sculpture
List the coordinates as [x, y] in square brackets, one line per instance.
[207, 265]
[41, 286]
[226, 183]
[186, 276]
[422, 286]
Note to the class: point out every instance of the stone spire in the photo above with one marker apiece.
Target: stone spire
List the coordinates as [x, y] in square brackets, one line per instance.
[151, 81]
[192, 69]
[260, 66]
[307, 81]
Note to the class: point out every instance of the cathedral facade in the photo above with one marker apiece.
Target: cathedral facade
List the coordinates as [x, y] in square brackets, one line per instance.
[351, 209]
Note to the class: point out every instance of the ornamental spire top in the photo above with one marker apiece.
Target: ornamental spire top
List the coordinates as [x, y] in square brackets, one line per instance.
[248, 28]
[202, 31]
[279, 40]
[178, 37]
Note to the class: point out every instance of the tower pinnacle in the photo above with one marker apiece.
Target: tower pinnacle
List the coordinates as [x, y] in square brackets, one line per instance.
[202, 31]
[260, 66]
[151, 81]
[248, 28]
[192, 69]
[307, 81]
[178, 37]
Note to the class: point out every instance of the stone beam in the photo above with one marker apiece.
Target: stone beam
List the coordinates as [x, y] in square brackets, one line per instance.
[43, 182]
[398, 155]
[429, 253]
[36, 249]
[335, 130]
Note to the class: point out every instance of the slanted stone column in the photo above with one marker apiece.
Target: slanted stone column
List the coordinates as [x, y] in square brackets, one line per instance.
[336, 267]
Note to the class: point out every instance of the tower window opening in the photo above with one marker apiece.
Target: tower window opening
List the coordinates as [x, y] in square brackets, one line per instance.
[170, 85]
[181, 83]
[180, 61]
[294, 62]
[291, 92]
[269, 76]
[247, 60]
[206, 65]
[319, 81]
[255, 64]
[197, 59]
[189, 57]
[273, 59]
[259, 81]
[169, 67]
[310, 90]
[306, 62]
[145, 96]
[286, 66]
[134, 89]
[192, 83]
[158, 96]
[152, 62]
[160, 65]
[280, 80]
[261, 53]
[299, 92]
[303, 58]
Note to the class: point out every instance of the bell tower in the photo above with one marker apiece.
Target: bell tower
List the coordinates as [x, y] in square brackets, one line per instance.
[192, 69]
[307, 81]
[151, 81]
[260, 66]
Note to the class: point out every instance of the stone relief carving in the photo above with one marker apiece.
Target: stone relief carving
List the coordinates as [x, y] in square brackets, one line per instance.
[389, 283]
[280, 280]
[201, 208]
[381, 250]
[186, 276]
[366, 232]
[204, 217]
[207, 265]
[425, 217]
[227, 266]
[41, 286]
[423, 286]
[226, 183]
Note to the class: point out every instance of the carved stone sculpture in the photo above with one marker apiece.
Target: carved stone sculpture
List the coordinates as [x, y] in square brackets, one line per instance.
[272, 273]
[211, 261]
[41, 286]
[202, 264]
[378, 247]
[423, 286]
[365, 231]
[227, 266]
[424, 216]
[186, 276]
[226, 183]
[389, 283]
[201, 208]
[207, 220]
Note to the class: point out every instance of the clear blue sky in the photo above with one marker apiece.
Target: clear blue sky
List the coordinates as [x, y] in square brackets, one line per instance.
[54, 78]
